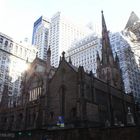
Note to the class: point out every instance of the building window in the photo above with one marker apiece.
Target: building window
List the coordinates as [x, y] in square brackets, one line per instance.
[35, 93]
[11, 44]
[20, 51]
[6, 43]
[1, 40]
[16, 49]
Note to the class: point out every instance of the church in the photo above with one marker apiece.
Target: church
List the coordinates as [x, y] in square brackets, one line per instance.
[67, 97]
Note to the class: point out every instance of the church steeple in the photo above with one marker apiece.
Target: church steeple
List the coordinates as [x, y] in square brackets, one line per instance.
[108, 68]
[104, 28]
[107, 56]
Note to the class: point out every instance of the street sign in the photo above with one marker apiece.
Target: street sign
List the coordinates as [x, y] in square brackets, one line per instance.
[60, 121]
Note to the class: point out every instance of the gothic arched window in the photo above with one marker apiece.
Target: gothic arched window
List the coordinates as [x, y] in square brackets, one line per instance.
[35, 87]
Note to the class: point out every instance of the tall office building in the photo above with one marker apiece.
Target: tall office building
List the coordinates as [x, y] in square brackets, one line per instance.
[62, 33]
[83, 52]
[13, 57]
[40, 36]
[132, 34]
[123, 46]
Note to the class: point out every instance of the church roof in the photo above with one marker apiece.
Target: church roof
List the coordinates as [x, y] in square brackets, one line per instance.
[132, 19]
[73, 67]
[38, 61]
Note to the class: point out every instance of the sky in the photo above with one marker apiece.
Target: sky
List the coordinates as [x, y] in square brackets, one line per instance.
[17, 16]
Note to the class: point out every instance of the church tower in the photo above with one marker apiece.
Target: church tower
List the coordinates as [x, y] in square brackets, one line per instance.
[108, 68]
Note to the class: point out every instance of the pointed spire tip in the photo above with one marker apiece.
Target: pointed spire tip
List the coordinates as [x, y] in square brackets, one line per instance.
[102, 11]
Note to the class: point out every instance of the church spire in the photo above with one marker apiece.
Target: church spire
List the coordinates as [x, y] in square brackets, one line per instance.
[108, 68]
[104, 28]
[107, 56]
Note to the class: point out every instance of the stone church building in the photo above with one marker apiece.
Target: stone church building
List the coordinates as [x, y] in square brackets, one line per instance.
[69, 97]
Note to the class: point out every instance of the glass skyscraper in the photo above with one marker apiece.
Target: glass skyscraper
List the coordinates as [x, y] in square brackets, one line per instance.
[40, 36]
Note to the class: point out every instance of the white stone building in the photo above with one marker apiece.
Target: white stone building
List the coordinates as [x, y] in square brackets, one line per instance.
[13, 57]
[83, 52]
[63, 33]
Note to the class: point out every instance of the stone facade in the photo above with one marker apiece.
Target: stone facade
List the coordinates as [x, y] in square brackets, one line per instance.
[66, 97]
[80, 98]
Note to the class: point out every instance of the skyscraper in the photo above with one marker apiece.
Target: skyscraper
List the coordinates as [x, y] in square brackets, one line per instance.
[62, 33]
[40, 36]
[13, 58]
[122, 45]
[83, 52]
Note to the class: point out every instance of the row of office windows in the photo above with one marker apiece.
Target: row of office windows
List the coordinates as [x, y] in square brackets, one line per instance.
[10, 46]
